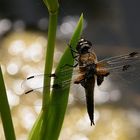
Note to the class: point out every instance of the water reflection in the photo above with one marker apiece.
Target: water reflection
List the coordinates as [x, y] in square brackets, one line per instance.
[29, 118]
[43, 24]
[12, 98]
[23, 55]
[12, 68]
[67, 27]
[16, 47]
[5, 25]
[33, 53]
[19, 25]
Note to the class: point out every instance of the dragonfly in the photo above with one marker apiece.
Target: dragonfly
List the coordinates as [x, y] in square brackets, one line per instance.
[91, 71]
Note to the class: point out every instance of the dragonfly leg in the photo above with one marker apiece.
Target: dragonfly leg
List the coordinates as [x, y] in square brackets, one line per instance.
[73, 51]
[69, 65]
[74, 57]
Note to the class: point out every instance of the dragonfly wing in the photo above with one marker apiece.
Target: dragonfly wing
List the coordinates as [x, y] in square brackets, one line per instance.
[89, 90]
[127, 65]
[35, 82]
[32, 94]
[32, 83]
[31, 86]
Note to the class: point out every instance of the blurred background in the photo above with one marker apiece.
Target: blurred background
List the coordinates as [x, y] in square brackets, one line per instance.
[113, 28]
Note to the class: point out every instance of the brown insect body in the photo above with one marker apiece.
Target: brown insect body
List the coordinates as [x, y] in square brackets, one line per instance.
[91, 70]
[87, 68]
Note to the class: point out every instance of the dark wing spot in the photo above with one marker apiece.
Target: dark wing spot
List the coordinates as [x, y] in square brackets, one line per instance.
[29, 91]
[125, 67]
[56, 86]
[30, 77]
[133, 54]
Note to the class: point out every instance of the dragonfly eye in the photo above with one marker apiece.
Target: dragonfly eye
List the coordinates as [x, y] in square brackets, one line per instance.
[84, 50]
[84, 41]
[83, 46]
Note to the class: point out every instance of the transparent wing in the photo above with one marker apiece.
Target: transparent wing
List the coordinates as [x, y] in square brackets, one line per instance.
[127, 65]
[33, 89]
[33, 85]
[35, 82]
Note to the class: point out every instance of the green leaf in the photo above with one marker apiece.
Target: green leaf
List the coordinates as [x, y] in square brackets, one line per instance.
[58, 104]
[5, 112]
[35, 132]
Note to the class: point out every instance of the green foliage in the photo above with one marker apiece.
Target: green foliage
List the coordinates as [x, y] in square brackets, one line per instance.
[49, 122]
[5, 112]
[59, 99]
[53, 112]
[52, 6]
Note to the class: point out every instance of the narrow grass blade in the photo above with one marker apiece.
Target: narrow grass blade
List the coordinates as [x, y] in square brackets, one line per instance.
[35, 132]
[5, 112]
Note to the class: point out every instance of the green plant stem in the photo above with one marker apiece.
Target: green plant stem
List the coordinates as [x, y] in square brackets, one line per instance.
[38, 131]
[48, 69]
[49, 56]
[5, 112]
[52, 5]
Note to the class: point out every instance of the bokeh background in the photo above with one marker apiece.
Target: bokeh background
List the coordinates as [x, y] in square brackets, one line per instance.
[112, 26]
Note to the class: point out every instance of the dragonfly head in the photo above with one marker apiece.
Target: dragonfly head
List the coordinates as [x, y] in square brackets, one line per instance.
[83, 46]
